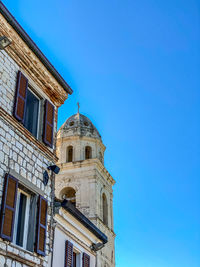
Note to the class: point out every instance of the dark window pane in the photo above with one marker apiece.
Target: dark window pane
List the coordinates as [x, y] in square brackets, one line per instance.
[74, 259]
[31, 113]
[21, 220]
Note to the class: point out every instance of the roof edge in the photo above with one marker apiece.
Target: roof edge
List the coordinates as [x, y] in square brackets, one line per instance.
[83, 219]
[26, 38]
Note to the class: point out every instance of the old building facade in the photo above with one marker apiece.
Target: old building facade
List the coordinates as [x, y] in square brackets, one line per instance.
[83, 179]
[31, 90]
[76, 238]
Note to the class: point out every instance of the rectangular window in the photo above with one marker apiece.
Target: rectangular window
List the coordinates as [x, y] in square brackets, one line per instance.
[21, 219]
[25, 219]
[32, 113]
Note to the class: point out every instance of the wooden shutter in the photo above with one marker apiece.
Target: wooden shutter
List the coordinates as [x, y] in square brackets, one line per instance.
[86, 260]
[8, 207]
[68, 254]
[48, 124]
[20, 97]
[41, 226]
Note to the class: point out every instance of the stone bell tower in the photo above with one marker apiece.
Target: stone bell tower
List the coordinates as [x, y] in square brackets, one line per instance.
[84, 180]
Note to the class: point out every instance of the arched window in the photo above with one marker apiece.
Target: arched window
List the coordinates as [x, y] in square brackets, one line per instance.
[70, 154]
[112, 256]
[100, 157]
[88, 152]
[105, 209]
[69, 194]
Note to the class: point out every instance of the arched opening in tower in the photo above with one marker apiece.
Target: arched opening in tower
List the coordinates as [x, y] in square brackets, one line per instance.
[69, 194]
[88, 152]
[70, 154]
[105, 209]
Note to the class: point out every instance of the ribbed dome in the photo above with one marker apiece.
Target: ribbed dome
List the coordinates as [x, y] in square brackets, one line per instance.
[80, 125]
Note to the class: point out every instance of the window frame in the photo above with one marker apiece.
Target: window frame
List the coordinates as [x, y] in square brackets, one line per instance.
[26, 220]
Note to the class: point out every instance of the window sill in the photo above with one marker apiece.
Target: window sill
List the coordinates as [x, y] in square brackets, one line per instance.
[16, 247]
[22, 255]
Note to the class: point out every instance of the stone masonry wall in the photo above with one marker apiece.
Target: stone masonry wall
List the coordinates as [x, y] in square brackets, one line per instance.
[19, 155]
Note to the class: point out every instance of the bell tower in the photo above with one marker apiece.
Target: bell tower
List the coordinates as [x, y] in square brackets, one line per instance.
[84, 180]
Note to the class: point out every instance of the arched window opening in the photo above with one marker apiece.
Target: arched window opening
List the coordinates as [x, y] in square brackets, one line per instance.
[88, 152]
[100, 157]
[105, 209]
[69, 194]
[112, 256]
[70, 154]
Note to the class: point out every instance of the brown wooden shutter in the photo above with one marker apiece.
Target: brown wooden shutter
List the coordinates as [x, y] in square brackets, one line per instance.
[8, 207]
[48, 124]
[20, 97]
[86, 260]
[41, 226]
[68, 254]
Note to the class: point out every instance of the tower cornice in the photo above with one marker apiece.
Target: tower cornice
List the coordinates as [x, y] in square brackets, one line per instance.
[85, 163]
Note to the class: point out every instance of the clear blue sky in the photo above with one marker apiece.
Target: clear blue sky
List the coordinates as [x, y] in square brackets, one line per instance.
[134, 66]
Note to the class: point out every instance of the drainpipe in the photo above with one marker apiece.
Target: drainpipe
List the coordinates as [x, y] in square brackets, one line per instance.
[52, 216]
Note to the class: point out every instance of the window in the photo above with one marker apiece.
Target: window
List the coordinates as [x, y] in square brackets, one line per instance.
[21, 219]
[28, 108]
[105, 209]
[73, 256]
[100, 157]
[25, 219]
[88, 152]
[112, 256]
[22, 210]
[70, 154]
[32, 111]
[69, 194]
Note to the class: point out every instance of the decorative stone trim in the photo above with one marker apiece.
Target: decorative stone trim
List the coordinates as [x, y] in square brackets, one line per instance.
[88, 162]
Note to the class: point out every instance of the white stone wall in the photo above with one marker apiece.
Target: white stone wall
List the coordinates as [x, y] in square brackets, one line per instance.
[8, 79]
[106, 256]
[19, 155]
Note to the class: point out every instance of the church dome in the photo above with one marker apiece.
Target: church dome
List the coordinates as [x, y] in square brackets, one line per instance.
[80, 125]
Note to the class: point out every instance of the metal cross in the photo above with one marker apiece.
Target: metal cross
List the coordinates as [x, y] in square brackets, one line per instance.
[78, 106]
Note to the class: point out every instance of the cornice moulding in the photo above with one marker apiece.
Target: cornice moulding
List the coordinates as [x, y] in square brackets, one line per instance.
[29, 62]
